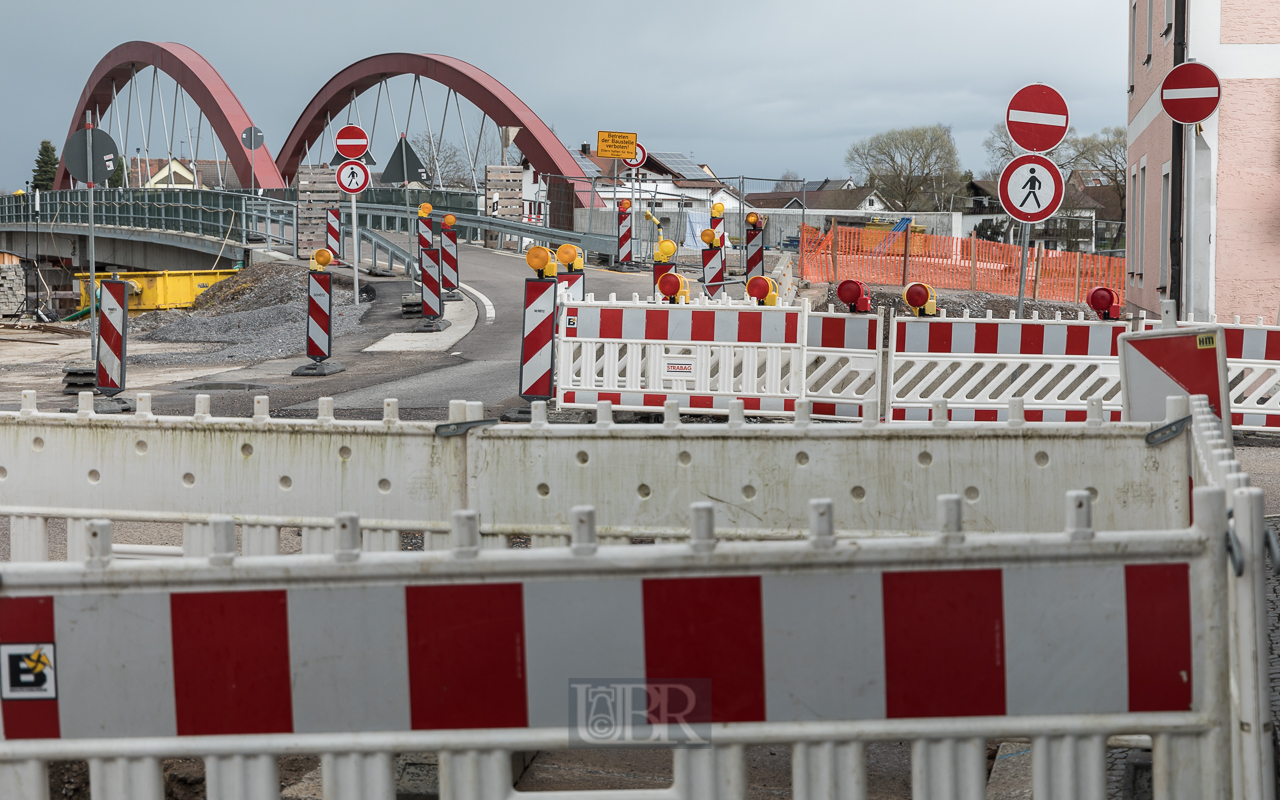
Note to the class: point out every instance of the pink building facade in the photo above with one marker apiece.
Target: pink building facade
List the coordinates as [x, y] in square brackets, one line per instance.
[1230, 248]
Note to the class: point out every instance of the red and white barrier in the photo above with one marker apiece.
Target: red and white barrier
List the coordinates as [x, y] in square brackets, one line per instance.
[713, 272]
[319, 315]
[755, 252]
[537, 347]
[333, 232]
[450, 276]
[573, 284]
[979, 365]
[842, 363]
[638, 356]
[113, 305]
[624, 236]
[429, 264]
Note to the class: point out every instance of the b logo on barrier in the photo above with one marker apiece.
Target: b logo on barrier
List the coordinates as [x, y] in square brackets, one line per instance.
[27, 672]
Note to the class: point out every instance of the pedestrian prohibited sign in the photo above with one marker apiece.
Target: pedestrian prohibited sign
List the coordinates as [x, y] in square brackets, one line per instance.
[1031, 188]
[353, 177]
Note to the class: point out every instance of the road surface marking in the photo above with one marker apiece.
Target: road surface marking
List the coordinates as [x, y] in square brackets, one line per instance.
[489, 312]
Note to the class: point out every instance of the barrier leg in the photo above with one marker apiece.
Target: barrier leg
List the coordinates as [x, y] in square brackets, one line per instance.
[24, 780]
[197, 539]
[949, 769]
[28, 539]
[475, 774]
[260, 540]
[1253, 747]
[358, 776]
[1176, 774]
[242, 778]
[381, 540]
[319, 541]
[77, 539]
[828, 770]
[126, 779]
[1069, 767]
[710, 773]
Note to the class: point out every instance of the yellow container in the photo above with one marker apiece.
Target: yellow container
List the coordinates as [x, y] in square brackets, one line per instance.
[150, 291]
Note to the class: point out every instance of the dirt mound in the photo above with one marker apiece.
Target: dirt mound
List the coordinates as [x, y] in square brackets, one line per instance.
[257, 286]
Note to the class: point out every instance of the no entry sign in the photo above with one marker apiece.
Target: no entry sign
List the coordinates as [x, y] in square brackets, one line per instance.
[638, 161]
[1037, 118]
[1190, 93]
[352, 141]
[1031, 188]
[353, 177]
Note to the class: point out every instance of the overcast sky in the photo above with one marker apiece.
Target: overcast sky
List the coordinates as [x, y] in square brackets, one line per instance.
[748, 87]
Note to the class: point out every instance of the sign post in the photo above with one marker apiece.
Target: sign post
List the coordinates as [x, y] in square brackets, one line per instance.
[1190, 94]
[1037, 120]
[353, 178]
[90, 171]
[252, 139]
[320, 322]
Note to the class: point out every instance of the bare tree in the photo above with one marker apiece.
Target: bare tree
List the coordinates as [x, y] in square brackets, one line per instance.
[1109, 155]
[1073, 153]
[916, 168]
[790, 182]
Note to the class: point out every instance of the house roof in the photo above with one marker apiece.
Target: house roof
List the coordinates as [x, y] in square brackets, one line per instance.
[1108, 196]
[1072, 199]
[823, 198]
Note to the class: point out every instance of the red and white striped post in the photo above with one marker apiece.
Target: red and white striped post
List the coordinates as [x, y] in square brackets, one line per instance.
[450, 278]
[755, 249]
[537, 350]
[333, 232]
[112, 333]
[573, 279]
[319, 326]
[624, 231]
[712, 264]
[429, 271]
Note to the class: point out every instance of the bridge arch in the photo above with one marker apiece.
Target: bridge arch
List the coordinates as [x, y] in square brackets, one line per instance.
[536, 141]
[199, 80]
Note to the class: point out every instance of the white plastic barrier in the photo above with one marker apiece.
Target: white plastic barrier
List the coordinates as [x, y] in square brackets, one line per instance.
[979, 365]
[524, 479]
[945, 639]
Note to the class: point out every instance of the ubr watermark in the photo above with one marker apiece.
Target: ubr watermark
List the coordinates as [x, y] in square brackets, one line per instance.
[640, 712]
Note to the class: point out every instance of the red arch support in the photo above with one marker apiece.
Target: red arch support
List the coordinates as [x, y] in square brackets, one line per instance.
[198, 79]
[545, 152]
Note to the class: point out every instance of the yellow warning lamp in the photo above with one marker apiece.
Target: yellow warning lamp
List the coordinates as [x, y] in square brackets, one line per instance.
[664, 251]
[541, 261]
[624, 204]
[922, 299]
[571, 256]
[321, 258]
[674, 287]
[717, 210]
[709, 238]
[753, 219]
[764, 289]
[449, 220]
[424, 210]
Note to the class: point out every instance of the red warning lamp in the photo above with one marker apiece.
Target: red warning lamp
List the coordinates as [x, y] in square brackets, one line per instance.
[1104, 301]
[854, 294]
[624, 204]
[674, 287]
[758, 287]
[922, 299]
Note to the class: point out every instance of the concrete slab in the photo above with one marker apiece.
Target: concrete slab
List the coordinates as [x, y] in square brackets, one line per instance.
[462, 318]
[490, 382]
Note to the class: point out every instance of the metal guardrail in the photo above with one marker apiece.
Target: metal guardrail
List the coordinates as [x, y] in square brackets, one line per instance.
[246, 219]
[238, 218]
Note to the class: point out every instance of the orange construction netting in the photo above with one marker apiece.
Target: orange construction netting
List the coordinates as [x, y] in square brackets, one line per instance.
[948, 262]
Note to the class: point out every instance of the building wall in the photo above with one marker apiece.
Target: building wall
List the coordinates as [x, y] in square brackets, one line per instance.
[1248, 229]
[1150, 143]
[1250, 22]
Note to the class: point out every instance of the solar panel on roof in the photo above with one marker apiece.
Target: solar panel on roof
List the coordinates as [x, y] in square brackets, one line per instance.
[589, 167]
[682, 165]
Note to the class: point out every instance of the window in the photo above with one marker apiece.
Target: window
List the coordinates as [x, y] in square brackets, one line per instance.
[1151, 22]
[1142, 219]
[1133, 225]
[1164, 226]
[1133, 41]
[1168, 20]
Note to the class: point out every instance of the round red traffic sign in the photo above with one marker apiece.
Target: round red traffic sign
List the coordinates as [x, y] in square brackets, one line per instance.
[352, 141]
[1190, 93]
[353, 177]
[1037, 118]
[1031, 188]
[641, 155]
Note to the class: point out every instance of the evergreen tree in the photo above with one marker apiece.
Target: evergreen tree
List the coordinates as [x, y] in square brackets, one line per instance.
[117, 178]
[46, 167]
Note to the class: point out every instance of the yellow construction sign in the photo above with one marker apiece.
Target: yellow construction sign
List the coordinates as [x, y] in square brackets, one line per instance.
[615, 144]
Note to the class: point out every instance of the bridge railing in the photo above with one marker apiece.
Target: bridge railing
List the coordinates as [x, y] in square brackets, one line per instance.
[236, 218]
